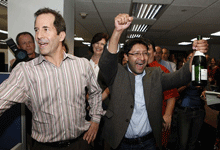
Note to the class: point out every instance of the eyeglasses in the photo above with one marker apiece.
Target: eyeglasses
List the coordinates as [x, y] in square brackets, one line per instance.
[139, 54]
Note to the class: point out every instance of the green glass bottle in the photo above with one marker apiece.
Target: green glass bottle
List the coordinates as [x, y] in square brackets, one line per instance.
[199, 68]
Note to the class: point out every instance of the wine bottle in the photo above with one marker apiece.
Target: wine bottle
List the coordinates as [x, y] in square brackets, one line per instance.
[199, 68]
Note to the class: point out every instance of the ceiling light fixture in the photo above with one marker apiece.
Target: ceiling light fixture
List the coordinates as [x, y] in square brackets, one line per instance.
[147, 11]
[131, 36]
[204, 38]
[139, 28]
[4, 3]
[4, 32]
[184, 43]
[78, 39]
[86, 43]
[216, 33]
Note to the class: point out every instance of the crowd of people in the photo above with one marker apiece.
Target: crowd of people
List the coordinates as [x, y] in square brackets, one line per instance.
[139, 97]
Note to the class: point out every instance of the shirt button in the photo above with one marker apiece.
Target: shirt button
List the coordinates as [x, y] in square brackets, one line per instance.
[132, 106]
[127, 120]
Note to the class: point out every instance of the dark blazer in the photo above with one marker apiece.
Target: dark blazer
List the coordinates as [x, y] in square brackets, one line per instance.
[122, 86]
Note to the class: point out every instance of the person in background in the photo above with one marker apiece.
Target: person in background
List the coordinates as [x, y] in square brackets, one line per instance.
[188, 117]
[173, 58]
[211, 71]
[25, 41]
[133, 119]
[158, 57]
[165, 56]
[207, 59]
[169, 96]
[53, 88]
[97, 45]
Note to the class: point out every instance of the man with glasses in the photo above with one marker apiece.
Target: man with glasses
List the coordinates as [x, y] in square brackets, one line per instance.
[134, 116]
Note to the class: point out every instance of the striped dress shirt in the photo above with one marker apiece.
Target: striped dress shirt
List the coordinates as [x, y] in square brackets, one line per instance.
[55, 96]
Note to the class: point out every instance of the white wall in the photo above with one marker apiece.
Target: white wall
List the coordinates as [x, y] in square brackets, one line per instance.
[69, 17]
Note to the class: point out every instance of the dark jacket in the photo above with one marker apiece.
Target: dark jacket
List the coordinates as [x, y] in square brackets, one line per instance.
[122, 86]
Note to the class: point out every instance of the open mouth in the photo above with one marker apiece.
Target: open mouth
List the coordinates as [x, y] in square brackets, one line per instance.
[43, 43]
[140, 66]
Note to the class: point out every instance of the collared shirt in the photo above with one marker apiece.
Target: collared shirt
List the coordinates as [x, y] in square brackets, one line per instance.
[55, 95]
[95, 67]
[139, 124]
[166, 64]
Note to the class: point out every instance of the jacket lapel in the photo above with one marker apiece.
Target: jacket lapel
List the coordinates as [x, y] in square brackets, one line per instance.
[131, 81]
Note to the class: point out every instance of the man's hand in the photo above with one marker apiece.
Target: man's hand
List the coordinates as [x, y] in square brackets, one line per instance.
[122, 22]
[201, 45]
[90, 135]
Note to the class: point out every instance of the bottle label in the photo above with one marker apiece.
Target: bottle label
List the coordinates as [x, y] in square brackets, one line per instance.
[193, 72]
[204, 74]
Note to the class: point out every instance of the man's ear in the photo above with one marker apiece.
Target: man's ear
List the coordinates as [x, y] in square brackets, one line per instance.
[19, 47]
[62, 35]
[126, 57]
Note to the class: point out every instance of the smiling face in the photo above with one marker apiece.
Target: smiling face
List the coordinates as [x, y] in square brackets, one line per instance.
[138, 63]
[46, 35]
[99, 46]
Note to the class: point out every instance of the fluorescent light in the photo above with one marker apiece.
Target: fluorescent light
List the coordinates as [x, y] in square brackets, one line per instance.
[204, 38]
[139, 28]
[134, 36]
[216, 33]
[2, 31]
[145, 7]
[148, 10]
[144, 10]
[86, 43]
[156, 11]
[139, 11]
[184, 43]
[78, 39]
[149, 17]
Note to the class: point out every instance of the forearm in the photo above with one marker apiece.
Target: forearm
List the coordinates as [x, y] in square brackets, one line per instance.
[113, 42]
[105, 94]
[170, 106]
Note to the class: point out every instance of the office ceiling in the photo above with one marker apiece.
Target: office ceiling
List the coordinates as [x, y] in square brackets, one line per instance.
[178, 21]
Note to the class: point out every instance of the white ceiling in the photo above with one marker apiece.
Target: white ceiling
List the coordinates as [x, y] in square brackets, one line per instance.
[180, 20]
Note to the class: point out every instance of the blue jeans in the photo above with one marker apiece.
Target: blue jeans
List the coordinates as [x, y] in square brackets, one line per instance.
[149, 144]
